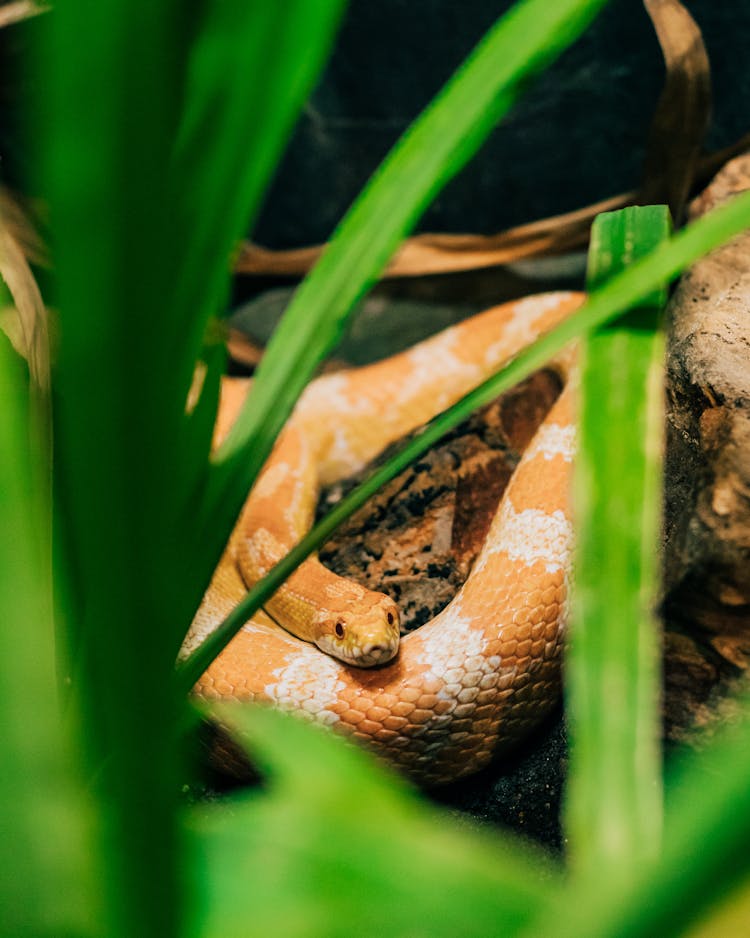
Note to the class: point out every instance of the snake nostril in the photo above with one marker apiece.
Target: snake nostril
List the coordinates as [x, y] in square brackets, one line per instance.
[339, 629]
[390, 618]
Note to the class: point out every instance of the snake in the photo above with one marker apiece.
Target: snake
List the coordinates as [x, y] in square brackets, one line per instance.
[446, 699]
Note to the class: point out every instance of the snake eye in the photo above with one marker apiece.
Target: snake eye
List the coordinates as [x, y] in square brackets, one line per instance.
[339, 629]
[390, 618]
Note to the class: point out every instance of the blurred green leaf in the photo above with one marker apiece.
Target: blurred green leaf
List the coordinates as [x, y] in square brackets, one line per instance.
[705, 855]
[250, 69]
[613, 806]
[727, 916]
[333, 845]
[44, 878]
[111, 74]
[142, 253]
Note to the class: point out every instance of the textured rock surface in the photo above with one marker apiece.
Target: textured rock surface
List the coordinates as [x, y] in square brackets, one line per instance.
[708, 469]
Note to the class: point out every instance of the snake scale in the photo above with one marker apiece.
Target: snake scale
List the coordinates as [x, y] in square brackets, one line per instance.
[486, 669]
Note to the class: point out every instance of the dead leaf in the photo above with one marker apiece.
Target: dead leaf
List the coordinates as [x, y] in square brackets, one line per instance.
[673, 170]
[20, 10]
[682, 115]
[426, 254]
[30, 329]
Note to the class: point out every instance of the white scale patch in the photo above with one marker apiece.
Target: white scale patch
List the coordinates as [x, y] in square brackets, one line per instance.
[202, 626]
[271, 480]
[449, 641]
[542, 303]
[262, 544]
[454, 654]
[253, 627]
[310, 682]
[530, 535]
[214, 608]
[552, 440]
[330, 402]
[342, 456]
[332, 394]
[437, 373]
[523, 328]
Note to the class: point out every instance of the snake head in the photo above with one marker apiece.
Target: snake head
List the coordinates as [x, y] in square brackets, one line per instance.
[364, 635]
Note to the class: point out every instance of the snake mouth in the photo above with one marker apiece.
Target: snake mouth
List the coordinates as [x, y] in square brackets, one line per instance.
[370, 655]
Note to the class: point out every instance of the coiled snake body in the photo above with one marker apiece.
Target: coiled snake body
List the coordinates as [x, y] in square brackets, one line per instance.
[481, 673]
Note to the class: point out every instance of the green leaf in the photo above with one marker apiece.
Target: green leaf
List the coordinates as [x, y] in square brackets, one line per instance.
[142, 256]
[332, 845]
[613, 807]
[705, 855]
[43, 869]
[250, 70]
[111, 78]
[706, 833]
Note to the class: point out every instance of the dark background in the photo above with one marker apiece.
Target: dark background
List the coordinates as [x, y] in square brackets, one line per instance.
[576, 136]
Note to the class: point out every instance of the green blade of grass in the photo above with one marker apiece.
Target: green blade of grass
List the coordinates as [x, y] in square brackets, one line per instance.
[141, 255]
[44, 879]
[334, 845]
[619, 293]
[705, 855]
[111, 74]
[613, 804]
[433, 150]
[250, 70]
[706, 833]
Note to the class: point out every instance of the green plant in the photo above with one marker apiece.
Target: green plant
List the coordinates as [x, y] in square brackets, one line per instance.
[159, 143]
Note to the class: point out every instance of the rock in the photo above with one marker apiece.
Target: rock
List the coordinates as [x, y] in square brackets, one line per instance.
[707, 472]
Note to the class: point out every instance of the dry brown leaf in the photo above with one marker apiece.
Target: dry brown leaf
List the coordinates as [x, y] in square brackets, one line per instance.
[242, 349]
[30, 331]
[673, 169]
[682, 115]
[444, 253]
[16, 215]
[20, 10]
[450, 253]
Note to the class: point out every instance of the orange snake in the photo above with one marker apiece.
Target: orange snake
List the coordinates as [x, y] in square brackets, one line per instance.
[483, 671]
